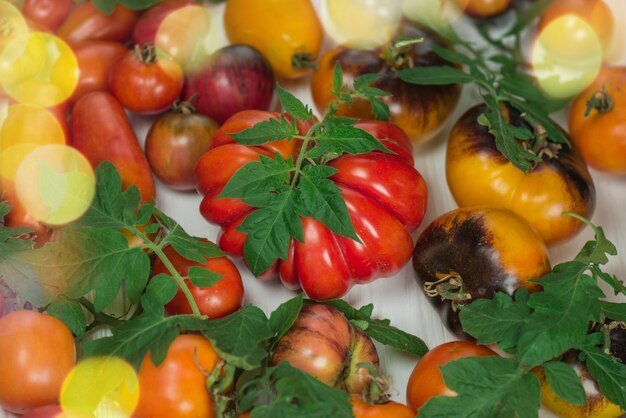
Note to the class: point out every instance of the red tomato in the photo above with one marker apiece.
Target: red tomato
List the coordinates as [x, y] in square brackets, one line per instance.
[36, 353]
[95, 59]
[102, 132]
[87, 23]
[390, 409]
[47, 13]
[221, 299]
[145, 83]
[177, 388]
[426, 380]
[385, 195]
[48, 411]
[147, 27]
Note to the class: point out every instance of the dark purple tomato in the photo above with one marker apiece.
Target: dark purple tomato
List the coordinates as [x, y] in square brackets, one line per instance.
[233, 79]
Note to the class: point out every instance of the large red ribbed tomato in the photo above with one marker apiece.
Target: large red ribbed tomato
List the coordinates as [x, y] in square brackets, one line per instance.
[385, 196]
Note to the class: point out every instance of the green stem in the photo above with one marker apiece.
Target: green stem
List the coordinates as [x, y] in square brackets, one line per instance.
[99, 317]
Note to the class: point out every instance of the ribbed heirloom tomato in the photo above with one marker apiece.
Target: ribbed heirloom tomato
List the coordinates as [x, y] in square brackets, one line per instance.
[384, 194]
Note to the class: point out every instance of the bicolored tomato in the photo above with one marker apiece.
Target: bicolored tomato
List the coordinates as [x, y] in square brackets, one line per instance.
[385, 196]
[558, 184]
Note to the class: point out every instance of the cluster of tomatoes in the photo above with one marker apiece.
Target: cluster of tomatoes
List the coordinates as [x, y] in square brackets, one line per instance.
[189, 147]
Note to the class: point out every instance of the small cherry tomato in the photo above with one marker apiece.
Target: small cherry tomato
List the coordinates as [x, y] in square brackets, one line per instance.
[145, 82]
[426, 380]
[484, 9]
[87, 23]
[390, 409]
[219, 300]
[47, 13]
[95, 60]
[36, 353]
[177, 388]
[287, 32]
[597, 121]
[175, 143]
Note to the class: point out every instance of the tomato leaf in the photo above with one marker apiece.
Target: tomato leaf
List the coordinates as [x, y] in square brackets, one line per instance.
[451, 55]
[239, 337]
[202, 277]
[266, 131]
[71, 313]
[285, 392]
[105, 6]
[337, 80]
[323, 200]
[564, 382]
[614, 311]
[595, 251]
[609, 372]
[345, 138]
[108, 6]
[435, 75]
[554, 131]
[487, 387]
[293, 105]
[483, 319]
[160, 290]
[283, 317]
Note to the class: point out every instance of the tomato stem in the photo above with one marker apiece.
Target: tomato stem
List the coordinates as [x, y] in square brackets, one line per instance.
[303, 61]
[601, 101]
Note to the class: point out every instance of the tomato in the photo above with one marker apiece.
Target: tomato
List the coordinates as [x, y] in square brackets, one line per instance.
[175, 143]
[47, 13]
[595, 12]
[145, 82]
[87, 23]
[287, 32]
[102, 132]
[221, 299]
[234, 78]
[322, 343]
[177, 388]
[386, 199]
[600, 135]
[597, 406]
[484, 8]
[419, 110]
[506, 253]
[48, 411]
[391, 409]
[1, 304]
[146, 29]
[426, 380]
[95, 59]
[478, 174]
[36, 353]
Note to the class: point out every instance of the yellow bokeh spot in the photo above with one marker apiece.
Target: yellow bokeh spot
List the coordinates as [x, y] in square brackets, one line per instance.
[11, 158]
[13, 33]
[186, 36]
[100, 387]
[25, 124]
[44, 75]
[55, 184]
[361, 24]
[566, 56]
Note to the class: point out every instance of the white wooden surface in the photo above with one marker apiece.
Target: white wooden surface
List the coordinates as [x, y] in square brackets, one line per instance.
[399, 298]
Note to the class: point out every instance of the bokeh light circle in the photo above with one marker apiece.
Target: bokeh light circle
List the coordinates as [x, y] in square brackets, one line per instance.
[437, 15]
[361, 24]
[100, 387]
[44, 75]
[13, 33]
[26, 124]
[566, 56]
[55, 184]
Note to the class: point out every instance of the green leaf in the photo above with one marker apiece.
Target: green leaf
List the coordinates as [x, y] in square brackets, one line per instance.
[525, 18]
[362, 82]
[284, 316]
[610, 374]
[202, 277]
[451, 56]
[323, 200]
[269, 231]
[562, 312]
[138, 4]
[71, 313]
[239, 337]
[554, 131]
[565, 382]
[293, 105]
[266, 131]
[489, 387]
[594, 251]
[614, 311]
[337, 80]
[257, 179]
[345, 138]
[435, 75]
[498, 320]
[286, 392]
[379, 109]
[105, 6]
[192, 248]
[5, 209]
[161, 289]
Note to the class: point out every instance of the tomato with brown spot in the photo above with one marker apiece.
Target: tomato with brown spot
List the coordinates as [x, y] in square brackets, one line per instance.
[471, 253]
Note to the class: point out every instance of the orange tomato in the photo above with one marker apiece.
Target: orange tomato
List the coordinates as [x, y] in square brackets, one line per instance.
[287, 32]
[177, 388]
[600, 134]
[484, 8]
